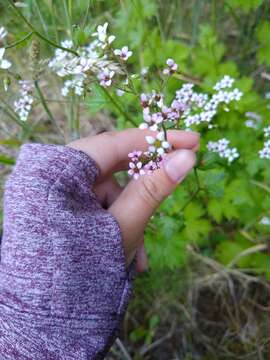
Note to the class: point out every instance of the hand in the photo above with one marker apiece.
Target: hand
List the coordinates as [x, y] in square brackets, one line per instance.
[135, 204]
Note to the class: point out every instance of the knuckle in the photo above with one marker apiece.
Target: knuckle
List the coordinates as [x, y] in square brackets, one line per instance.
[150, 192]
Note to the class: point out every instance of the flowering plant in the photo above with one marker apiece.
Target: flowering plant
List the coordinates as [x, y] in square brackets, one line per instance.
[153, 89]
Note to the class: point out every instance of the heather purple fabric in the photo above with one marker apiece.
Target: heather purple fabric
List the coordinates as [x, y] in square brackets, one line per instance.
[63, 283]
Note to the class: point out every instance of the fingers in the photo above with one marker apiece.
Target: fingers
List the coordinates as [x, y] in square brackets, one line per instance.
[141, 260]
[107, 191]
[110, 149]
[140, 198]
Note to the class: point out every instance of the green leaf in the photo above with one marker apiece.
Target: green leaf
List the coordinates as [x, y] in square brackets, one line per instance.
[215, 210]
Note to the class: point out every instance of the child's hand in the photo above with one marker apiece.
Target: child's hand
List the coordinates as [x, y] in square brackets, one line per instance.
[134, 205]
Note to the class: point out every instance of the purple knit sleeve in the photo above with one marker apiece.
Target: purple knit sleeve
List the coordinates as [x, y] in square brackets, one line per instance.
[64, 286]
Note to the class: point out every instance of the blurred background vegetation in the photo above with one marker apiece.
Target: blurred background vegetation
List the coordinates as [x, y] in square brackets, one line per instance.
[206, 294]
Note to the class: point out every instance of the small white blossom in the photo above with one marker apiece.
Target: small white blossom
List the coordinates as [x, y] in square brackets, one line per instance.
[102, 36]
[119, 92]
[144, 71]
[226, 82]
[4, 64]
[123, 53]
[251, 124]
[172, 67]
[266, 131]
[253, 120]
[105, 77]
[265, 220]
[3, 32]
[20, 4]
[265, 152]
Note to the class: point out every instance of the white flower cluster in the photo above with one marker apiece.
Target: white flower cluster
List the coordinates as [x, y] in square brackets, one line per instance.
[265, 152]
[223, 150]
[24, 104]
[98, 61]
[201, 109]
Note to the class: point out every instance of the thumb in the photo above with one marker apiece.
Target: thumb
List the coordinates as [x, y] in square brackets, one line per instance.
[138, 201]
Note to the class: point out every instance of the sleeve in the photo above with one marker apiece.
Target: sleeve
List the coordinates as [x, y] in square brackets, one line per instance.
[63, 254]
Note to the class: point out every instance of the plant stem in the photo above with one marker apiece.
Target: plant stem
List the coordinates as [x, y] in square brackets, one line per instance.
[45, 106]
[196, 192]
[73, 120]
[67, 9]
[87, 14]
[19, 41]
[38, 34]
[119, 108]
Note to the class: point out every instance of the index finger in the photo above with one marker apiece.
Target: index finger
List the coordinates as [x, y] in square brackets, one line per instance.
[110, 149]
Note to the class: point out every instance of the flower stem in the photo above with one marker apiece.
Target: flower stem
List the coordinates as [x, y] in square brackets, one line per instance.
[196, 192]
[38, 34]
[45, 106]
[73, 119]
[28, 36]
[119, 108]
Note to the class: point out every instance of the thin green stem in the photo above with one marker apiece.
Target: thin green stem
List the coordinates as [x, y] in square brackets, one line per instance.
[73, 120]
[54, 16]
[67, 9]
[45, 106]
[42, 20]
[16, 43]
[38, 34]
[214, 14]
[165, 131]
[86, 14]
[196, 192]
[119, 108]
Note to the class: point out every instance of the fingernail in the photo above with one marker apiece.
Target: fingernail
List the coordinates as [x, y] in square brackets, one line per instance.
[179, 164]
